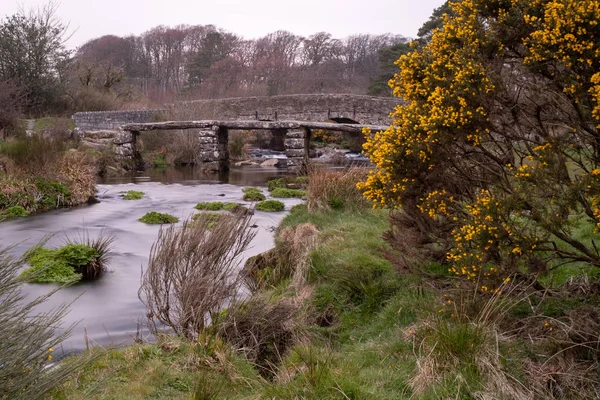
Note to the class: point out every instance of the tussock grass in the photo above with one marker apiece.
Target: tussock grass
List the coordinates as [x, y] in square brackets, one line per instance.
[28, 338]
[336, 190]
[156, 218]
[80, 258]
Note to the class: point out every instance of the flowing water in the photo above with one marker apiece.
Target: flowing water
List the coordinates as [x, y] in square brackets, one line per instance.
[109, 309]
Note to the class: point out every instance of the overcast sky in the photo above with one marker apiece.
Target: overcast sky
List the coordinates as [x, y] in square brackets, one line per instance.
[250, 18]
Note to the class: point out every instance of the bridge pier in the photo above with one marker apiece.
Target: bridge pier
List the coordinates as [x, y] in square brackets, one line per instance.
[125, 148]
[297, 148]
[214, 155]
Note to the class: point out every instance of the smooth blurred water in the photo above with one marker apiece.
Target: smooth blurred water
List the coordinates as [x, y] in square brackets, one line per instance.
[109, 308]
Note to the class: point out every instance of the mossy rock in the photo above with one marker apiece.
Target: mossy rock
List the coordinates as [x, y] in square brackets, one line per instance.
[230, 206]
[270, 206]
[156, 218]
[288, 182]
[210, 206]
[284, 193]
[253, 194]
[133, 195]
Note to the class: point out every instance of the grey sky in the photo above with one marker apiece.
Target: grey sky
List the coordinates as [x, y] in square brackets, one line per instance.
[249, 18]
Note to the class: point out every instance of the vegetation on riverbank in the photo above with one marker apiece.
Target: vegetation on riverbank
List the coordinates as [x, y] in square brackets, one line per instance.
[40, 173]
[334, 312]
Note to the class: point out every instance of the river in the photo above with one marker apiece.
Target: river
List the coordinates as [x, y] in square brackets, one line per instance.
[109, 309]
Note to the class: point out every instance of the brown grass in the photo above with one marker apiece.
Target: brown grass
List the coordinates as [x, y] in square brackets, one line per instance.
[77, 170]
[329, 189]
[191, 273]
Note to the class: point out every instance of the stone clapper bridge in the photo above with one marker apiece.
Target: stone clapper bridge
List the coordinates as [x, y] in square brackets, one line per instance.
[213, 135]
[290, 118]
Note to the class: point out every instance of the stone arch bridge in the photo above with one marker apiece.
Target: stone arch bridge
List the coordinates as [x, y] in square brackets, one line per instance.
[290, 118]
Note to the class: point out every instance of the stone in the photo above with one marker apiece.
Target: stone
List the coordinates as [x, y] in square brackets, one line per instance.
[295, 135]
[245, 163]
[295, 153]
[294, 143]
[273, 162]
[212, 166]
[123, 137]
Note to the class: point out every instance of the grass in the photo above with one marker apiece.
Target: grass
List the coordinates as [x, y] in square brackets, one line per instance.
[288, 193]
[253, 194]
[288, 182]
[365, 332]
[133, 195]
[211, 206]
[156, 218]
[83, 258]
[50, 123]
[270, 206]
[14, 212]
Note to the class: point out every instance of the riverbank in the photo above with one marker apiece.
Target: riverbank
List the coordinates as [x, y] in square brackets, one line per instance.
[331, 316]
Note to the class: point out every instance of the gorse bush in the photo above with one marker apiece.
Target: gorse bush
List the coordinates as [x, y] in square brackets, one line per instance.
[497, 177]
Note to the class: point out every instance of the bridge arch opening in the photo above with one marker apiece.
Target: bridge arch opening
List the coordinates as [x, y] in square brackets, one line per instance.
[344, 120]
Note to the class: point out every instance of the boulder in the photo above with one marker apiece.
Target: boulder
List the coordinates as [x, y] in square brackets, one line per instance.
[273, 162]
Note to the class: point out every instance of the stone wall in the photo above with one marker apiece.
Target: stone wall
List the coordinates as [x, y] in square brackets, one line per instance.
[112, 120]
[312, 107]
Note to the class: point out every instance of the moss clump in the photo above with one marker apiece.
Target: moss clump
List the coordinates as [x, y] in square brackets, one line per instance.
[210, 219]
[63, 265]
[253, 194]
[230, 206]
[209, 205]
[270, 206]
[14, 212]
[155, 218]
[275, 183]
[288, 193]
[133, 195]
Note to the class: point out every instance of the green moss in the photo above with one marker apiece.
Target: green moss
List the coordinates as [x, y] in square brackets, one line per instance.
[230, 206]
[54, 194]
[155, 218]
[210, 205]
[14, 212]
[58, 265]
[270, 206]
[253, 194]
[209, 218]
[288, 193]
[133, 195]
